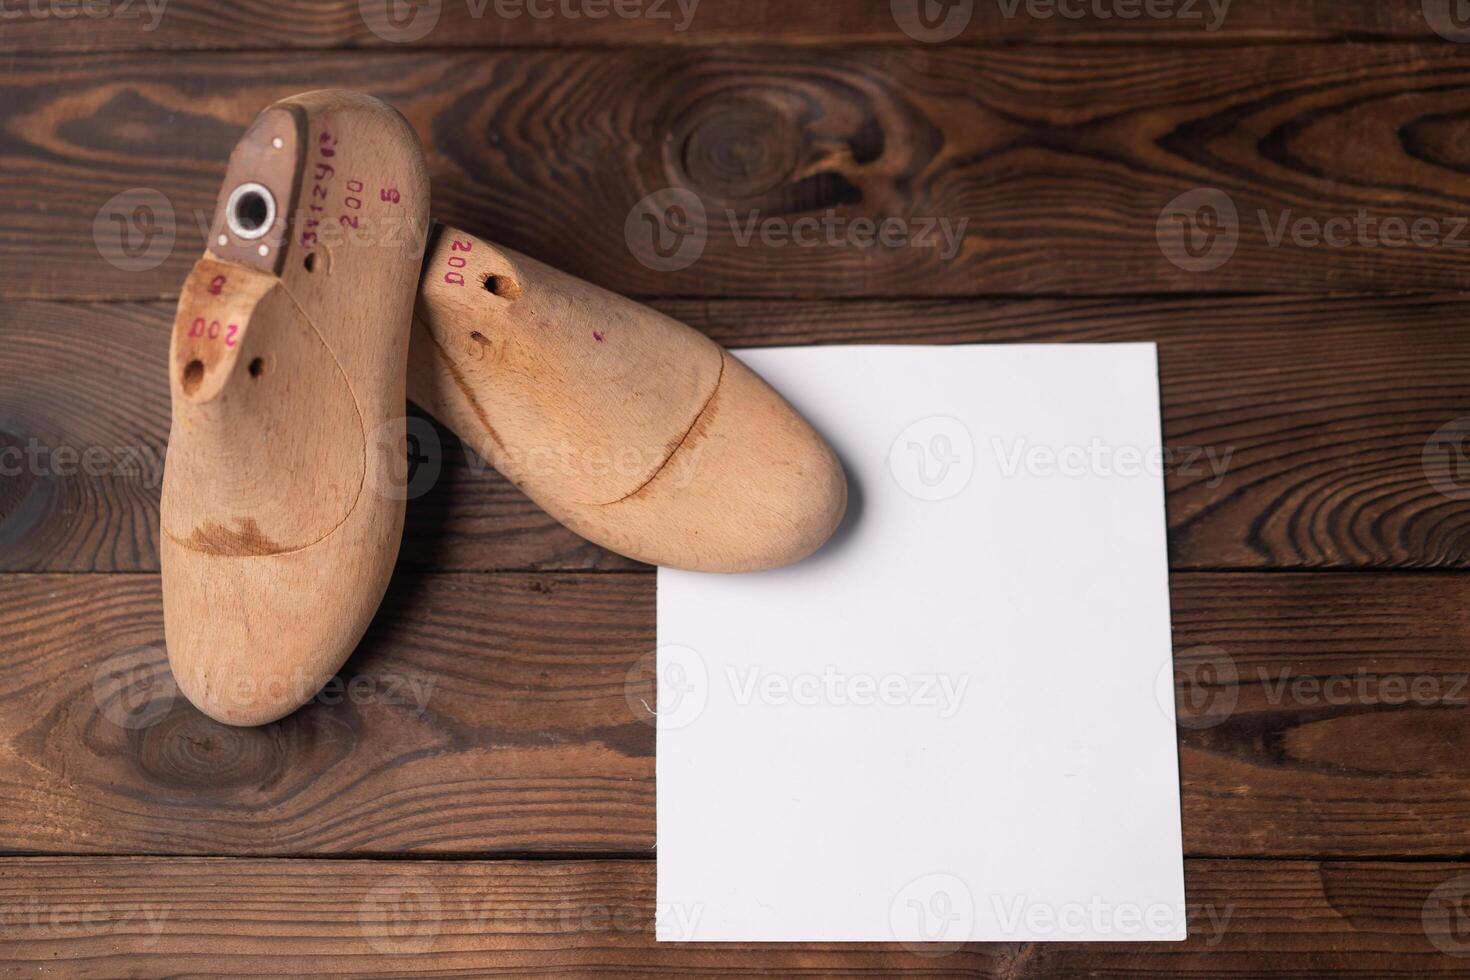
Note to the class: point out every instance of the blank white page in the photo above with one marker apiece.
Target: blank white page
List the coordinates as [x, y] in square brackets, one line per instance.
[946, 725]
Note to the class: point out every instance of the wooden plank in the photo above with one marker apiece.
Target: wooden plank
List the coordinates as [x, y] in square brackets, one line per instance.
[1299, 692]
[1301, 432]
[84, 419]
[150, 917]
[480, 714]
[1322, 716]
[1297, 428]
[113, 25]
[1012, 170]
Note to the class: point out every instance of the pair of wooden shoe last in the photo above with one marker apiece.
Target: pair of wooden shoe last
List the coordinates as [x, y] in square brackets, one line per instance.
[323, 302]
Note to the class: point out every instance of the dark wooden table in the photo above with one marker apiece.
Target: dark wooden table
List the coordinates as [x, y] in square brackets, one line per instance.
[1316, 390]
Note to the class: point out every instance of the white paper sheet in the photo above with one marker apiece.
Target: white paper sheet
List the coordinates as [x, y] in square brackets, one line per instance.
[948, 724]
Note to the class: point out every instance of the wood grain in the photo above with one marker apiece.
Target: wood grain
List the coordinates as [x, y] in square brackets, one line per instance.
[84, 410]
[288, 446]
[1297, 428]
[633, 429]
[151, 917]
[1297, 692]
[1052, 169]
[480, 714]
[258, 24]
[1322, 716]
